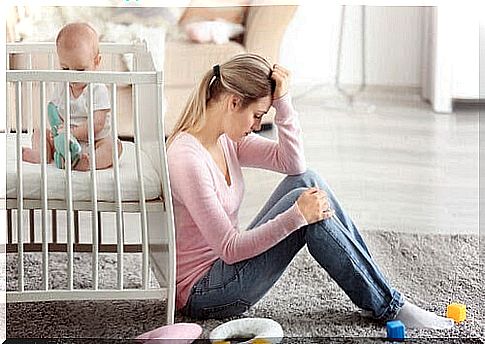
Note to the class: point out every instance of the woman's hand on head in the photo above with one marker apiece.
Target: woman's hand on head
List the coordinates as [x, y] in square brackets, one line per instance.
[281, 76]
[314, 205]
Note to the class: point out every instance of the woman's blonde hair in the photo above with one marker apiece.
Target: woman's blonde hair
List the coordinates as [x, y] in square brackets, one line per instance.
[246, 75]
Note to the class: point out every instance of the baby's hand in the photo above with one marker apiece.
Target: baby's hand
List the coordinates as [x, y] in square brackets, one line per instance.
[281, 76]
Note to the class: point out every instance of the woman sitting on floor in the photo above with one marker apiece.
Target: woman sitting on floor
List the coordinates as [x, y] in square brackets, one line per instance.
[222, 271]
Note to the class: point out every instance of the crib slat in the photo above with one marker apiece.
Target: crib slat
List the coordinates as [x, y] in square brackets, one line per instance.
[141, 187]
[50, 63]
[94, 192]
[30, 122]
[9, 103]
[116, 171]
[69, 211]
[167, 200]
[20, 192]
[7, 106]
[7, 99]
[43, 170]
[113, 62]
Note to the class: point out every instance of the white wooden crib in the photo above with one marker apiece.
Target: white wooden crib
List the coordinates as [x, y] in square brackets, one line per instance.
[137, 183]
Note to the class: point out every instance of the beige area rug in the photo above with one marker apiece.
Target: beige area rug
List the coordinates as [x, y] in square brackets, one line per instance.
[305, 301]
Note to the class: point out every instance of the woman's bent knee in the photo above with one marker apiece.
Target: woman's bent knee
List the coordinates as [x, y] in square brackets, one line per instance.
[294, 194]
[309, 178]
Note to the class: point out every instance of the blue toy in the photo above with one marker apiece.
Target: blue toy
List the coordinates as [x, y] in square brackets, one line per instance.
[396, 330]
[60, 139]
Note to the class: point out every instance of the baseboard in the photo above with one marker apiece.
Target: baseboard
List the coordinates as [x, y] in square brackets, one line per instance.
[469, 104]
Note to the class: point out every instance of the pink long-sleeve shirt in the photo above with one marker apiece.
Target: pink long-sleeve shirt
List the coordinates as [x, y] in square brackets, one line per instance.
[206, 207]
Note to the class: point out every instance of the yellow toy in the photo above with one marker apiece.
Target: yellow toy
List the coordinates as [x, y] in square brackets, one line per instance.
[456, 311]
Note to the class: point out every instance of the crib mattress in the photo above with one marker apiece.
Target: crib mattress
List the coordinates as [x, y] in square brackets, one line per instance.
[81, 181]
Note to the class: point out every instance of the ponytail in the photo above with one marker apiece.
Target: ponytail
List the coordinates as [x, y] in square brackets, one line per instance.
[246, 75]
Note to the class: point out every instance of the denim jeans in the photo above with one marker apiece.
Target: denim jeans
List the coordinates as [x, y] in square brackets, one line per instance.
[336, 244]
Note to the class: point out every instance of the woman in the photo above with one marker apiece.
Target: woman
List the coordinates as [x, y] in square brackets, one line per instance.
[222, 271]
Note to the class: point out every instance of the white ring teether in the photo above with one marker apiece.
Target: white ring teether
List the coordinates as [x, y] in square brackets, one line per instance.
[248, 328]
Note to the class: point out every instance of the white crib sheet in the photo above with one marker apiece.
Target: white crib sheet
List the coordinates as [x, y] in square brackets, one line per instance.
[81, 190]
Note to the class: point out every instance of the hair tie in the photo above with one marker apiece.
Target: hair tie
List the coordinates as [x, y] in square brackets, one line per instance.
[217, 71]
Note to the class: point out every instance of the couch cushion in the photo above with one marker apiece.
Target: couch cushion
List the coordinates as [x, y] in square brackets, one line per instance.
[186, 62]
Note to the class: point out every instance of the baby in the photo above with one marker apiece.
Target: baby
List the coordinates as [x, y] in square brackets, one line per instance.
[77, 49]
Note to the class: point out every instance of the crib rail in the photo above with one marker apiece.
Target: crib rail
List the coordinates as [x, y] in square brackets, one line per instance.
[132, 78]
[67, 295]
[151, 83]
[50, 47]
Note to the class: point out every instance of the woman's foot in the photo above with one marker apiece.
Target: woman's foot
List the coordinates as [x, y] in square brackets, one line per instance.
[413, 316]
[29, 155]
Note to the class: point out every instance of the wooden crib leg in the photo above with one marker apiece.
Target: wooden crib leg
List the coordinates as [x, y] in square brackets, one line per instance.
[76, 226]
[54, 225]
[32, 225]
[100, 227]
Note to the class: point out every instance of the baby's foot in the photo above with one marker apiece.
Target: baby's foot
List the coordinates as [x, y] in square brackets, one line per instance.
[83, 163]
[30, 155]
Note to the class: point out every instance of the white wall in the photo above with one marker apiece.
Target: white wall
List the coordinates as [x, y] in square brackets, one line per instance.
[464, 49]
[393, 45]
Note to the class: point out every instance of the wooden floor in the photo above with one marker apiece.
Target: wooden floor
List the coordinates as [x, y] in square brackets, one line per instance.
[393, 163]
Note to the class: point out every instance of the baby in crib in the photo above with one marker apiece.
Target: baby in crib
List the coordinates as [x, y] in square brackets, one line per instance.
[77, 49]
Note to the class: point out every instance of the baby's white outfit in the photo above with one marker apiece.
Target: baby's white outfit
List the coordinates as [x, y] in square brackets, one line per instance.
[80, 108]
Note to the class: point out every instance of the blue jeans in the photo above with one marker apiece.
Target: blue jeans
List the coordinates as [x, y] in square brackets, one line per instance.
[336, 244]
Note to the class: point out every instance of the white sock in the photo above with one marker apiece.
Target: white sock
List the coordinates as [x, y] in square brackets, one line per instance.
[413, 316]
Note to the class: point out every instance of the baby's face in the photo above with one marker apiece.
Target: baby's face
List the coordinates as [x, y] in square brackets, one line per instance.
[83, 58]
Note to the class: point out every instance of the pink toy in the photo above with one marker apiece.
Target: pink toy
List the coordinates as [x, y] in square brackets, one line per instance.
[216, 31]
[183, 332]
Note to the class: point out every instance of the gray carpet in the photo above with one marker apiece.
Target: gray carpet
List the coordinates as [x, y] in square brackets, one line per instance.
[305, 301]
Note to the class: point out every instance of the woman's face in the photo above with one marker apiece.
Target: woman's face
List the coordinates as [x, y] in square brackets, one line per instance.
[242, 121]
